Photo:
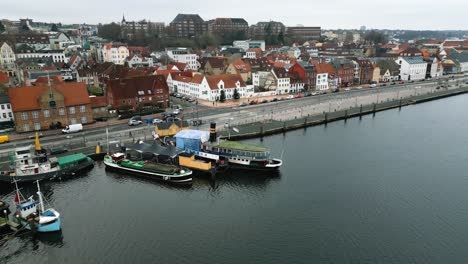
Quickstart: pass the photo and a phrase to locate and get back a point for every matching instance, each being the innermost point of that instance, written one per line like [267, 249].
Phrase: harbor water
[386, 189]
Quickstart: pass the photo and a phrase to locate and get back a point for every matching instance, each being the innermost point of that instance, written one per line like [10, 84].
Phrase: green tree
[236, 94]
[2, 27]
[54, 28]
[208, 39]
[281, 38]
[375, 37]
[110, 31]
[222, 96]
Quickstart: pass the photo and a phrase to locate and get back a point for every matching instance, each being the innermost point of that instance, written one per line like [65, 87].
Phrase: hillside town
[54, 75]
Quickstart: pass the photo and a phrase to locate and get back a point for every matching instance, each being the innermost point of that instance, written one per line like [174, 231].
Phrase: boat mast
[41, 202]
[17, 192]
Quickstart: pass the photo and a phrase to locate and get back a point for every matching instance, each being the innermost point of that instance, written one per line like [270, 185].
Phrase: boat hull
[185, 179]
[30, 178]
[50, 227]
[80, 168]
[273, 165]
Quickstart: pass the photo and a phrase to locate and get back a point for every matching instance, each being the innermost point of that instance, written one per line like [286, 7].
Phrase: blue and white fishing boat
[33, 218]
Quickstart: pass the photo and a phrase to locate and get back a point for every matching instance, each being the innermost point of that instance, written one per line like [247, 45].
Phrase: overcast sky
[329, 14]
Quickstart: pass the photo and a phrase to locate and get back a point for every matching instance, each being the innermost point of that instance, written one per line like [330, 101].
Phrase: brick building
[137, 92]
[188, 26]
[42, 107]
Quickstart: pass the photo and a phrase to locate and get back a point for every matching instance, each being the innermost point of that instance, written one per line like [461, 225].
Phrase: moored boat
[32, 215]
[149, 169]
[237, 155]
[75, 163]
[30, 164]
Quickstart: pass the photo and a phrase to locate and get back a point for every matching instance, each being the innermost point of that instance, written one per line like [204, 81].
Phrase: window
[95, 110]
[61, 111]
[82, 108]
[46, 113]
[84, 120]
[24, 116]
[37, 126]
[71, 109]
[73, 121]
[103, 109]
[35, 114]
[3, 107]
[10, 115]
[4, 115]
[25, 127]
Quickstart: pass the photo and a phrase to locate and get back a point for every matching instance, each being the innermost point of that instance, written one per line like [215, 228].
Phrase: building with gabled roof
[188, 26]
[42, 106]
[209, 87]
[139, 91]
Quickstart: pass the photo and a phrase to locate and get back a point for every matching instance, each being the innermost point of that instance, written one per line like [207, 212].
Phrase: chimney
[212, 132]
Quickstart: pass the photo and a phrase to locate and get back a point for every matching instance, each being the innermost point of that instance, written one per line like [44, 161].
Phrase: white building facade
[115, 53]
[56, 55]
[183, 55]
[247, 44]
[412, 68]
[322, 81]
[6, 114]
[7, 59]
[209, 87]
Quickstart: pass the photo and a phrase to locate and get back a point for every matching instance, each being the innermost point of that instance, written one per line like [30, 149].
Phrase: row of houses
[55, 103]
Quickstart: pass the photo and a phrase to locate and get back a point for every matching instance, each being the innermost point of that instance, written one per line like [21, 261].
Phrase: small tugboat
[33, 218]
[31, 164]
[158, 171]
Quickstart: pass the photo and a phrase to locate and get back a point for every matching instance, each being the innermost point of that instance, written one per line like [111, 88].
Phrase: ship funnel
[212, 132]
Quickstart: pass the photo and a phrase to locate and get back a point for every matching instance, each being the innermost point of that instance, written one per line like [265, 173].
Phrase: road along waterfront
[390, 188]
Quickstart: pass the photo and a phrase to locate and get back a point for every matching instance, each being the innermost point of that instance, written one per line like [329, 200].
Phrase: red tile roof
[98, 101]
[452, 43]
[27, 97]
[128, 88]
[44, 80]
[325, 68]
[4, 78]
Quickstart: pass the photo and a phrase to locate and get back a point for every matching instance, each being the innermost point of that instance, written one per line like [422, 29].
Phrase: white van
[72, 128]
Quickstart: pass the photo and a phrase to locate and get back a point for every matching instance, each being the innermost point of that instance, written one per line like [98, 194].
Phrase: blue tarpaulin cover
[191, 139]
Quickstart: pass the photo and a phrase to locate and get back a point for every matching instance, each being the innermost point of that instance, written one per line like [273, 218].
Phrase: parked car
[264, 101]
[401, 82]
[298, 96]
[307, 94]
[135, 120]
[347, 89]
[383, 84]
[176, 111]
[4, 139]
[253, 102]
[274, 100]
[191, 100]
[157, 121]
[243, 104]
[359, 87]
[290, 97]
[393, 83]
[314, 93]
[373, 85]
